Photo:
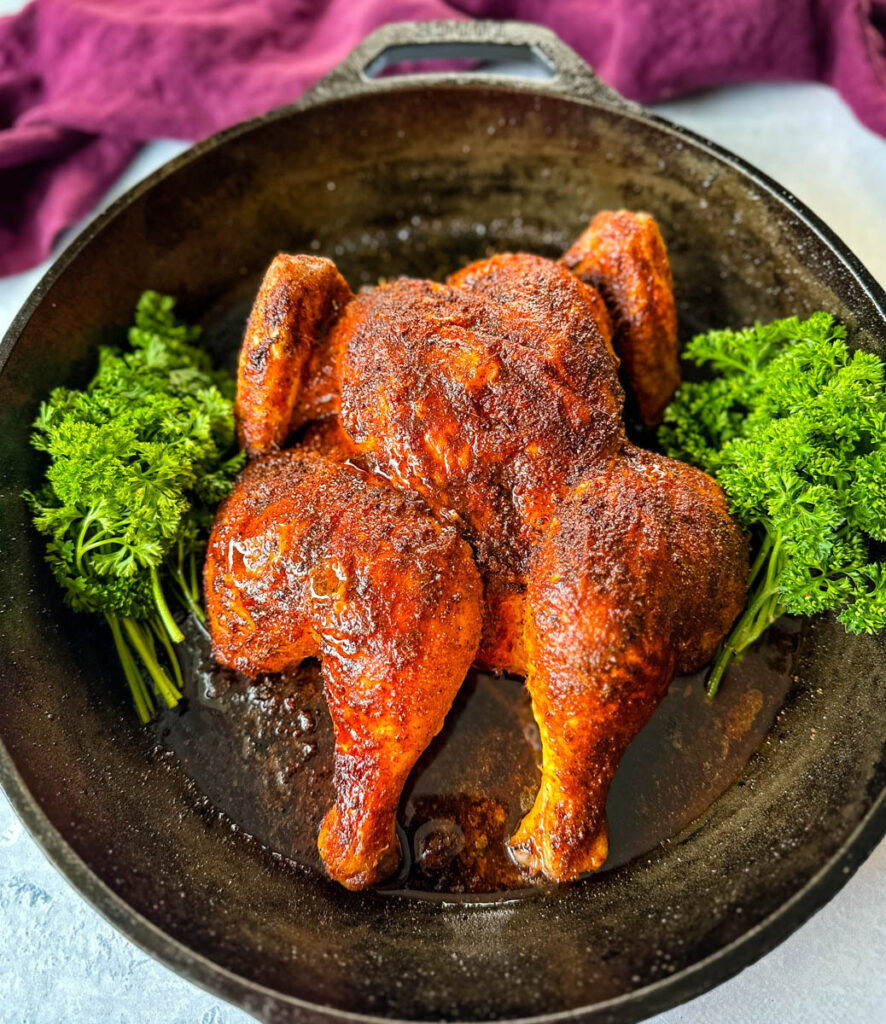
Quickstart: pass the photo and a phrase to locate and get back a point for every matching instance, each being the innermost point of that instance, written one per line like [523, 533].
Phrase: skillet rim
[256, 998]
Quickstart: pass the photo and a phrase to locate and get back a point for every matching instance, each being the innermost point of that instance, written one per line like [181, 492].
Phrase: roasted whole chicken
[459, 489]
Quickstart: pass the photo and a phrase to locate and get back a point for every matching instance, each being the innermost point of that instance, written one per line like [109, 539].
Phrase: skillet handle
[557, 68]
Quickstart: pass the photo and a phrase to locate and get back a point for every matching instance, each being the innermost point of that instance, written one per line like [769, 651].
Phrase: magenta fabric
[83, 83]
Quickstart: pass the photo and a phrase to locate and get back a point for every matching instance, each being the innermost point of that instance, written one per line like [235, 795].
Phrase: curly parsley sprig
[138, 464]
[793, 426]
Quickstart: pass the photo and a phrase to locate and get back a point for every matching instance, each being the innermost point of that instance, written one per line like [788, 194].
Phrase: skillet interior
[384, 189]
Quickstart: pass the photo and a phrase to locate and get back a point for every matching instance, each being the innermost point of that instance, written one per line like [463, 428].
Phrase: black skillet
[732, 822]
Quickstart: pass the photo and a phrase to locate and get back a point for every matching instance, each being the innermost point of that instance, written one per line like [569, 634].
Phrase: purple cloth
[84, 82]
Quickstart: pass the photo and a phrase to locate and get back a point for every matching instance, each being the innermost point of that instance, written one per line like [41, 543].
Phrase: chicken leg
[309, 558]
[640, 574]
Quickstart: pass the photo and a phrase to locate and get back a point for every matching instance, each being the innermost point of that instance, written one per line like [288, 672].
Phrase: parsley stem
[175, 634]
[165, 686]
[762, 609]
[760, 560]
[140, 695]
[724, 655]
[81, 537]
[760, 612]
[188, 599]
[162, 636]
[98, 541]
[149, 643]
[773, 570]
[195, 584]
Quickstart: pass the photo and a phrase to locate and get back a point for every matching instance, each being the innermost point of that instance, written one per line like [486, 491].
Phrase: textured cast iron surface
[261, 753]
[413, 177]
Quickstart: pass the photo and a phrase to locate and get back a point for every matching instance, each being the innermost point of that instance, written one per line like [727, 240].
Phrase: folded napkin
[83, 83]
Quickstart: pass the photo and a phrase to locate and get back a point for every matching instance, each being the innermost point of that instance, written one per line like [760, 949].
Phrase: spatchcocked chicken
[459, 489]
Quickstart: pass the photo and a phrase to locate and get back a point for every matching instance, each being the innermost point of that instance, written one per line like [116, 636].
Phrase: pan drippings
[261, 752]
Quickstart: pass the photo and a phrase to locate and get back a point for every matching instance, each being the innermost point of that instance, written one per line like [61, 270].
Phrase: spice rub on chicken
[464, 491]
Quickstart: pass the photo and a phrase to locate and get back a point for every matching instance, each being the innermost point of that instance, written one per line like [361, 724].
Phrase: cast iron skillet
[419, 175]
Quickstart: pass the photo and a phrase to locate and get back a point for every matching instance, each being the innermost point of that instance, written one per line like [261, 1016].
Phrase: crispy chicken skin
[285, 339]
[511, 280]
[624, 255]
[639, 576]
[492, 404]
[482, 406]
[484, 397]
[310, 558]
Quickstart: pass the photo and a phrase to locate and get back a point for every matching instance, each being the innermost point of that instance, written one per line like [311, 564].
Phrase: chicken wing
[624, 255]
[639, 576]
[286, 337]
[309, 558]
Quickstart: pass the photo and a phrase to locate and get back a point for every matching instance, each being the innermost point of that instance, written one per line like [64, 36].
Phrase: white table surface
[60, 962]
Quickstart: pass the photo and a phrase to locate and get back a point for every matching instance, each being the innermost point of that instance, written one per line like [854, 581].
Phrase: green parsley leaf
[793, 426]
[138, 462]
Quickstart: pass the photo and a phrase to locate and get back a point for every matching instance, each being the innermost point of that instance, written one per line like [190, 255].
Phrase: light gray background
[60, 962]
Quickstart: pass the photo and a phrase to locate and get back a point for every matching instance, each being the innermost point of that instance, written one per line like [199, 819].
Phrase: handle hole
[488, 58]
